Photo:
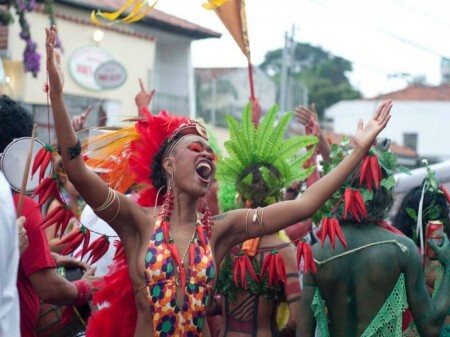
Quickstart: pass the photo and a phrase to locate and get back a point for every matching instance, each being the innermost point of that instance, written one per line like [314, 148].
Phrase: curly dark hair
[406, 224]
[15, 122]
[377, 208]
[258, 191]
[157, 174]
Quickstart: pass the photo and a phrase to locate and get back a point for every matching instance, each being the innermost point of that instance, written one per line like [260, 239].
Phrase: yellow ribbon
[213, 4]
[137, 13]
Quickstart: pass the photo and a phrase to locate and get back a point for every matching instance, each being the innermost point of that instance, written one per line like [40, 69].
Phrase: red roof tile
[419, 93]
[154, 18]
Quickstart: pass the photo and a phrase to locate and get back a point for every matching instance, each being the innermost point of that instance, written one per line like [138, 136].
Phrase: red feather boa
[118, 316]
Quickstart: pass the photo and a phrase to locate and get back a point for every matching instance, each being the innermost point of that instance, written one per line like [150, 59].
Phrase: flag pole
[250, 78]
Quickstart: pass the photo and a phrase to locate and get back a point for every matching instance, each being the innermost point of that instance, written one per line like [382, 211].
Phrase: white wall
[430, 120]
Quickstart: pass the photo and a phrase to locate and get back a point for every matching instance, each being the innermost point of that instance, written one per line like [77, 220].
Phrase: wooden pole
[250, 78]
[26, 172]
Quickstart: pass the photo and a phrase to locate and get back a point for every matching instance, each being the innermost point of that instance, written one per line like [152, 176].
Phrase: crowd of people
[290, 250]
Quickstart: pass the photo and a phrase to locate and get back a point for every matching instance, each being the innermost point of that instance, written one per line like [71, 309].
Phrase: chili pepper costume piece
[169, 319]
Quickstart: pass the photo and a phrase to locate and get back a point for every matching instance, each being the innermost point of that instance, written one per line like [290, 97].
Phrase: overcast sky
[380, 37]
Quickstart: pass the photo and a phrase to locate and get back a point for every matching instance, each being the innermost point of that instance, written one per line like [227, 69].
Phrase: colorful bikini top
[164, 273]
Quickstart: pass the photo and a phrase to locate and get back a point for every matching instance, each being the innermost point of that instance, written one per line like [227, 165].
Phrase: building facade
[420, 119]
[103, 65]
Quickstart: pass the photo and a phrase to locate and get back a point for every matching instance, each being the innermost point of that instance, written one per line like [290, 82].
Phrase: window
[410, 140]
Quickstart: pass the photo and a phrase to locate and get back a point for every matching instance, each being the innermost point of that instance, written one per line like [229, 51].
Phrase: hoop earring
[156, 199]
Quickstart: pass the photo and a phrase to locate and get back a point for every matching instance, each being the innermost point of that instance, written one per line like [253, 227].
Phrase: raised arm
[93, 190]
[309, 118]
[79, 120]
[429, 315]
[271, 219]
[143, 98]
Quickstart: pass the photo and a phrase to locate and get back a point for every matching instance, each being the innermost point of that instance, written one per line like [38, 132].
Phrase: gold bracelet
[246, 223]
[108, 202]
[260, 221]
[118, 208]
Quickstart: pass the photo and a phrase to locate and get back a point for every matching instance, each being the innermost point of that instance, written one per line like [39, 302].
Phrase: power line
[411, 43]
[390, 34]
[429, 16]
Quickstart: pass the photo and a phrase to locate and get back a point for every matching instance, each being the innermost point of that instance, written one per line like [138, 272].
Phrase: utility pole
[286, 69]
[213, 100]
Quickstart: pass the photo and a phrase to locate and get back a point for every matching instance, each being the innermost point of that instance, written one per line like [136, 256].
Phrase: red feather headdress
[123, 158]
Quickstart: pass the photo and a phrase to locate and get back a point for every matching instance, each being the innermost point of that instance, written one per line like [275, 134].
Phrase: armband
[74, 151]
[83, 292]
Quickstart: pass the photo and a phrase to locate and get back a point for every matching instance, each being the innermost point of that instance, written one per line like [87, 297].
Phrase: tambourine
[13, 161]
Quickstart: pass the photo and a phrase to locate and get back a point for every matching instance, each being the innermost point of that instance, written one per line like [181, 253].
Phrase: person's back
[256, 314]
[364, 288]
[356, 285]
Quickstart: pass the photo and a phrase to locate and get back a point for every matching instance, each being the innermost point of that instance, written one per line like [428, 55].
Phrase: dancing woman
[172, 288]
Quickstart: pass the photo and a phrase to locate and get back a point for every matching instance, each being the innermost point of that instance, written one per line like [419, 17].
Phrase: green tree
[324, 74]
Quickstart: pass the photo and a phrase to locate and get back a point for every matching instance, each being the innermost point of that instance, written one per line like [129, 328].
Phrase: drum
[13, 161]
[50, 316]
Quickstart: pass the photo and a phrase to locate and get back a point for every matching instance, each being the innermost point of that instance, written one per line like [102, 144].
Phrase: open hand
[143, 98]
[79, 120]
[90, 278]
[309, 118]
[442, 252]
[365, 135]
[55, 73]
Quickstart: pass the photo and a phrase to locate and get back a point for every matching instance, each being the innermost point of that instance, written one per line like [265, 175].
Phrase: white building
[420, 119]
[222, 91]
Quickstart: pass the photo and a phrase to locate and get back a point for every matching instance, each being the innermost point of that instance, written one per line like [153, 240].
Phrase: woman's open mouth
[204, 171]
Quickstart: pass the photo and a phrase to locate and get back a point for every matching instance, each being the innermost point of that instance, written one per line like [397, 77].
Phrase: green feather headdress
[263, 151]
